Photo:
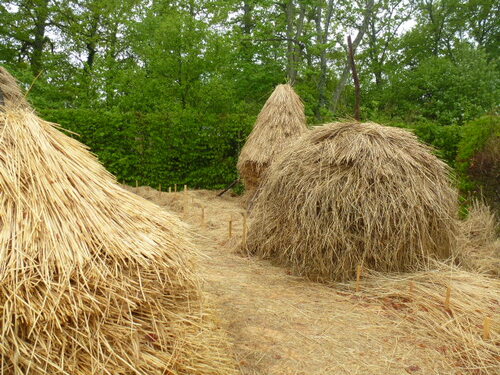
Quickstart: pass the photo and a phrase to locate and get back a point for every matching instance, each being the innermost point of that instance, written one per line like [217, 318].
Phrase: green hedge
[161, 148]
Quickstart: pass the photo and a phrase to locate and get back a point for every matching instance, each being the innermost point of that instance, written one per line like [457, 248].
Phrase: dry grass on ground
[282, 324]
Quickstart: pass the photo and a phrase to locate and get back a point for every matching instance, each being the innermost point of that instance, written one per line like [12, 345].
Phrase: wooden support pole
[487, 328]
[359, 270]
[230, 227]
[175, 187]
[447, 299]
[186, 199]
[203, 216]
[245, 231]
[170, 189]
[136, 183]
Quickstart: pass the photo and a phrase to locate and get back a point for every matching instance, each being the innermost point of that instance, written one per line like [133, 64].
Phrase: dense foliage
[165, 91]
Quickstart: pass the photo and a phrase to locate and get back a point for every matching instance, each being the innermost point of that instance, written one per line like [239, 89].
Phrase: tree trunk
[357, 105]
[41, 14]
[322, 38]
[92, 43]
[355, 43]
[291, 68]
[247, 31]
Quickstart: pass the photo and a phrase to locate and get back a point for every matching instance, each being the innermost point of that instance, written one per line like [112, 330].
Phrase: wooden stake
[358, 276]
[245, 230]
[175, 188]
[486, 328]
[230, 227]
[203, 216]
[447, 299]
[159, 188]
[170, 189]
[185, 188]
[136, 183]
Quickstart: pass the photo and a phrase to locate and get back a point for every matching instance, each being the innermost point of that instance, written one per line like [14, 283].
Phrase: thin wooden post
[487, 328]
[170, 189]
[230, 227]
[359, 270]
[447, 299]
[245, 230]
[203, 216]
[159, 187]
[136, 183]
[185, 199]
[175, 188]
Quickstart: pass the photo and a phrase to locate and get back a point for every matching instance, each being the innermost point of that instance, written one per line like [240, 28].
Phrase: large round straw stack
[280, 122]
[93, 280]
[350, 194]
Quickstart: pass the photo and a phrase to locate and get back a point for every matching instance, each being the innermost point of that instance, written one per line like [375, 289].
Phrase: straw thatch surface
[350, 194]
[10, 93]
[93, 280]
[454, 324]
[281, 121]
[479, 246]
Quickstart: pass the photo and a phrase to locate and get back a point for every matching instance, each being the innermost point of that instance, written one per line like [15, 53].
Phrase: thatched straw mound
[281, 121]
[479, 245]
[445, 308]
[93, 279]
[10, 94]
[348, 194]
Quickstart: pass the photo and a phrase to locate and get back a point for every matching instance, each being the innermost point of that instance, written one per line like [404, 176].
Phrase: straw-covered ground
[282, 324]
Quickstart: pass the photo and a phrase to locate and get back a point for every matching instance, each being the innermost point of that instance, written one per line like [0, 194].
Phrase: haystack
[478, 249]
[93, 279]
[351, 194]
[281, 121]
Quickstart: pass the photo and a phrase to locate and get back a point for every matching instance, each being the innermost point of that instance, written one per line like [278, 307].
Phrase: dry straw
[458, 330]
[93, 279]
[479, 245]
[281, 121]
[347, 194]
